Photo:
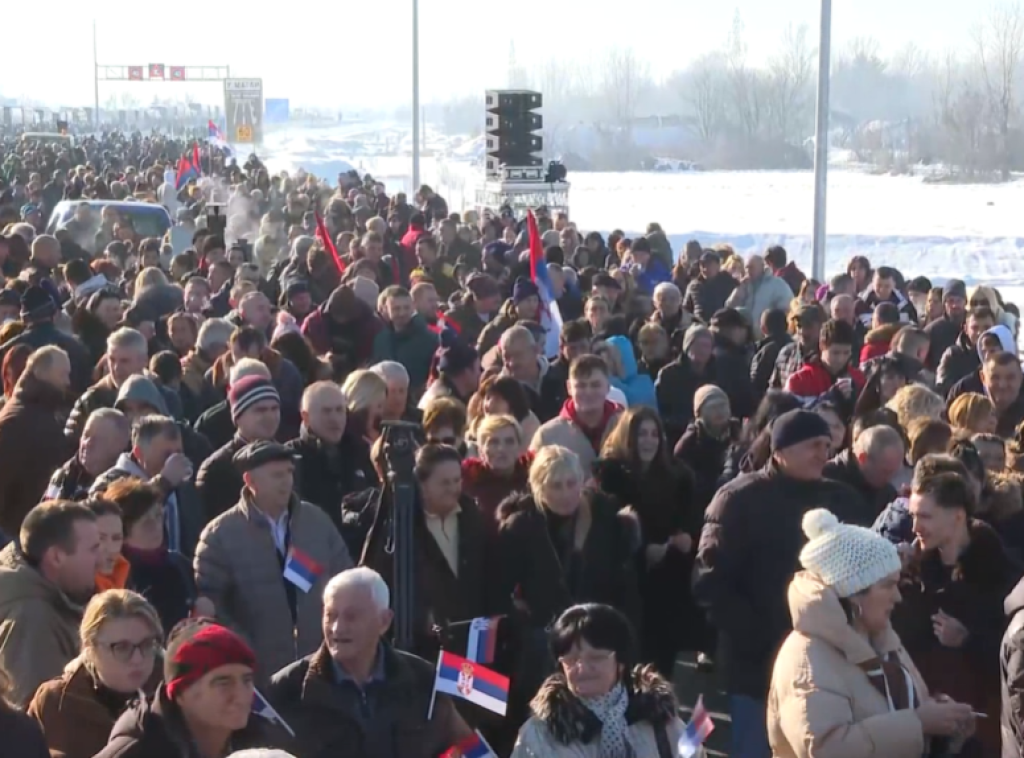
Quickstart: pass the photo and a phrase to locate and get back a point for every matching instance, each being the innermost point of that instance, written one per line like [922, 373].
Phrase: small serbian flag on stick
[697, 731]
[459, 677]
[483, 638]
[474, 746]
[262, 708]
[301, 570]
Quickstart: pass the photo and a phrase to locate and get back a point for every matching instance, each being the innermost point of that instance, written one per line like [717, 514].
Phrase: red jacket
[813, 380]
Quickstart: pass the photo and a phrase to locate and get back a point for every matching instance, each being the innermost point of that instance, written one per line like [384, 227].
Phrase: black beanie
[794, 427]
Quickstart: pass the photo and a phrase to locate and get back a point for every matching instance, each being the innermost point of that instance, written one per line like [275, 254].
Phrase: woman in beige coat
[843, 686]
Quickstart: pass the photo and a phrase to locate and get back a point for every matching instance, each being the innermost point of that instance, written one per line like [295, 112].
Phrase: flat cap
[257, 454]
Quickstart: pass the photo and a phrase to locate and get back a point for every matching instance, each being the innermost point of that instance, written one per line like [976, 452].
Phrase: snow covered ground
[974, 232]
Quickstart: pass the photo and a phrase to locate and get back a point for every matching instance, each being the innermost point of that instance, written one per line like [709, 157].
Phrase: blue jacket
[649, 278]
[638, 388]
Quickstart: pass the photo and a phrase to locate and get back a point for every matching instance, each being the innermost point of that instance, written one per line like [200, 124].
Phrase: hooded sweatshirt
[1005, 339]
[141, 389]
[638, 388]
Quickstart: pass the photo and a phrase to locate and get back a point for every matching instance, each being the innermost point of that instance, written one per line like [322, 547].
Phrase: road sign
[243, 109]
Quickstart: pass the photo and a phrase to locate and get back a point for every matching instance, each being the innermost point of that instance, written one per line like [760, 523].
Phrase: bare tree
[789, 86]
[745, 83]
[999, 43]
[625, 76]
[703, 88]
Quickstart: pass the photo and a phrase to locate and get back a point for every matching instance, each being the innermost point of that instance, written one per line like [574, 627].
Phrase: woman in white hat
[842, 684]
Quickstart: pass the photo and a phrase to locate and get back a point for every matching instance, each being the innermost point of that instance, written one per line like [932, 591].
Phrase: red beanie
[197, 648]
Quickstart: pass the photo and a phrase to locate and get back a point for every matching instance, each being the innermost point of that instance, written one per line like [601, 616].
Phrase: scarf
[610, 709]
[892, 680]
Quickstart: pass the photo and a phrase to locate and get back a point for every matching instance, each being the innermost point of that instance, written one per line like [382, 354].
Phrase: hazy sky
[353, 54]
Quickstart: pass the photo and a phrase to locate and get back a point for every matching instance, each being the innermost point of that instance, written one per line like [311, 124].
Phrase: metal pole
[821, 141]
[415, 95]
[95, 77]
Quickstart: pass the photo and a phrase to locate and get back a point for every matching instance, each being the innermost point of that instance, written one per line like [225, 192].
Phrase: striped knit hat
[249, 391]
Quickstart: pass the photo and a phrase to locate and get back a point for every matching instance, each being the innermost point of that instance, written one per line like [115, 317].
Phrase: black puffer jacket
[705, 296]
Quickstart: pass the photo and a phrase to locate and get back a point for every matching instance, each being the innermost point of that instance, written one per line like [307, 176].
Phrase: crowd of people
[815, 486]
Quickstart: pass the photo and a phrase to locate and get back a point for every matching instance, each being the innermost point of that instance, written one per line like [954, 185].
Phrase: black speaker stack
[513, 145]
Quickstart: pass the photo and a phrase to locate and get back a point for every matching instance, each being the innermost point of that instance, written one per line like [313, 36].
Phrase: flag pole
[433, 692]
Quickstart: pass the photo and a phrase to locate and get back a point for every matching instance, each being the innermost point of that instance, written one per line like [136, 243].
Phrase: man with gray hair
[358, 678]
[874, 460]
[127, 355]
[156, 457]
[759, 291]
[107, 435]
[522, 360]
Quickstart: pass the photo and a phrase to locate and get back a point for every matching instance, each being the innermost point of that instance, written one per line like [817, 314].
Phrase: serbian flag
[462, 678]
[697, 731]
[301, 570]
[483, 638]
[474, 746]
[325, 239]
[262, 708]
[186, 172]
[550, 317]
[215, 137]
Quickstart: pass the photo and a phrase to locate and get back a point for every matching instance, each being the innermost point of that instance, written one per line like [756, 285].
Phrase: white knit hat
[847, 558]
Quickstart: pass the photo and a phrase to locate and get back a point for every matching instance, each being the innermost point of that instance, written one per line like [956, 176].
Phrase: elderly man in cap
[38, 310]
[265, 562]
[748, 553]
[205, 700]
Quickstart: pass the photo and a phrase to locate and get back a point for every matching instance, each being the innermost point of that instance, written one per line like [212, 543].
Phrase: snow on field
[974, 232]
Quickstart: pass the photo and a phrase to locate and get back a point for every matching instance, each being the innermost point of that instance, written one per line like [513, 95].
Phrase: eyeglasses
[124, 651]
[586, 660]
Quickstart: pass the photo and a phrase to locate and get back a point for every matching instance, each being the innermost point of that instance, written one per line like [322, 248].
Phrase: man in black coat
[327, 463]
[256, 413]
[749, 550]
[709, 291]
[944, 330]
[876, 457]
[961, 359]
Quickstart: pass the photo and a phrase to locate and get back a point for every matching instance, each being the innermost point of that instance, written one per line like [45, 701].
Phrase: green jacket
[413, 347]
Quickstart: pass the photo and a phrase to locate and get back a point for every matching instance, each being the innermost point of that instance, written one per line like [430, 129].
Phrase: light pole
[95, 78]
[415, 95]
[821, 141]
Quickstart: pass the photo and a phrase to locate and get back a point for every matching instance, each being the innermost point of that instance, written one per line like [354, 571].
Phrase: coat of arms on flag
[462, 678]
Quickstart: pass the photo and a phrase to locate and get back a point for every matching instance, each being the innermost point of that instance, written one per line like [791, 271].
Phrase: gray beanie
[695, 332]
[709, 394]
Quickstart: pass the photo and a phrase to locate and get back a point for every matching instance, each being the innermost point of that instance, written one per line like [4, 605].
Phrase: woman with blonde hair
[121, 639]
[501, 468]
[735, 266]
[973, 413]
[367, 394]
[154, 296]
[916, 401]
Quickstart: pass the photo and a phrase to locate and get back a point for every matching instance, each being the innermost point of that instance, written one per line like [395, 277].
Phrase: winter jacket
[766, 353]
[351, 341]
[732, 368]
[792, 276]
[286, 378]
[972, 591]
[705, 296]
[38, 626]
[413, 347]
[958, 362]
[791, 359]
[814, 382]
[387, 719]
[218, 481]
[1011, 669]
[563, 727]
[566, 431]
[165, 579]
[822, 702]
[105, 394]
[638, 388]
[489, 489]
[43, 334]
[32, 446]
[70, 482]
[239, 568]
[649, 278]
[74, 716]
[845, 468]
[748, 553]
[753, 298]
[22, 736]
[944, 332]
[908, 313]
[155, 728]
[877, 342]
[325, 474]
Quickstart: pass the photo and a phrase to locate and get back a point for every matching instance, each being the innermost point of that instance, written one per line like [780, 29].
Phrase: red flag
[195, 159]
[325, 239]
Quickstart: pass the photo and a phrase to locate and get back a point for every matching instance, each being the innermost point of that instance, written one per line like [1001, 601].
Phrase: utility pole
[821, 141]
[416, 95]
